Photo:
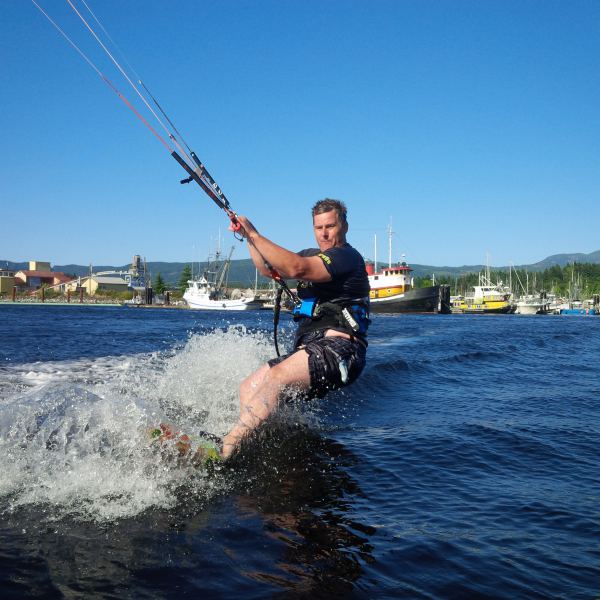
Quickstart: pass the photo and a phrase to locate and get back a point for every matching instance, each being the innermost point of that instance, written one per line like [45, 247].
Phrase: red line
[142, 119]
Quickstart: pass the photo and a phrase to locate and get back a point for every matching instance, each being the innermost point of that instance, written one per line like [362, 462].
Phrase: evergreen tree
[186, 275]
[159, 284]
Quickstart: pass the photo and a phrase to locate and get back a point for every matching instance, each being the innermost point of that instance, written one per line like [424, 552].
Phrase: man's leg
[259, 395]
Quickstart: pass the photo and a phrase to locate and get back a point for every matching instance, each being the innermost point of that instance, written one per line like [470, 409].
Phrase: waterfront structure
[39, 265]
[32, 279]
[97, 283]
[7, 281]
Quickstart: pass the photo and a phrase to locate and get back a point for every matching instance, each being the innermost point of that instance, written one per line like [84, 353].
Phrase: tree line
[160, 286]
[574, 279]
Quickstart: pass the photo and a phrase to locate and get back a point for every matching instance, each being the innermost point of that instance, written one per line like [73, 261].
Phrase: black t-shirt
[349, 279]
[349, 284]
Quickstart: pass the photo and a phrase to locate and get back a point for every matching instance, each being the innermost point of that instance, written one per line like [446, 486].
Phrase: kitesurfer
[332, 315]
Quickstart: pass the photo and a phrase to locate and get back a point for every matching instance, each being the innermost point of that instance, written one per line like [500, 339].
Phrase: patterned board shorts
[333, 362]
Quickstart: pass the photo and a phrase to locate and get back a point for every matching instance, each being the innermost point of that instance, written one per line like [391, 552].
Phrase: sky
[472, 127]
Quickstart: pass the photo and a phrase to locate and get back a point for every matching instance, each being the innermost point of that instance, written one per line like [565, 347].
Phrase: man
[330, 345]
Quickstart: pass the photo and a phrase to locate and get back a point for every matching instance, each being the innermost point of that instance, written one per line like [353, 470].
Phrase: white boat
[207, 292]
[536, 303]
[532, 305]
[202, 295]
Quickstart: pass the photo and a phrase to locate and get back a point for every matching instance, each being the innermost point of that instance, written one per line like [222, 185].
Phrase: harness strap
[351, 315]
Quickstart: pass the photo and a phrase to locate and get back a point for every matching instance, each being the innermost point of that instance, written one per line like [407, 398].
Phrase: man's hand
[248, 230]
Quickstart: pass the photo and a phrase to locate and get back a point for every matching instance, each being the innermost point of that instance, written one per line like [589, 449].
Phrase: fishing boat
[392, 288]
[208, 291]
[392, 291]
[486, 297]
[202, 295]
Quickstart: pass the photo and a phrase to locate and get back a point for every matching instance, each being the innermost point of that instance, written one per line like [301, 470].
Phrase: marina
[392, 292]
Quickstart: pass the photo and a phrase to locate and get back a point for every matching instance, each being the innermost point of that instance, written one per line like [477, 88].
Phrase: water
[463, 464]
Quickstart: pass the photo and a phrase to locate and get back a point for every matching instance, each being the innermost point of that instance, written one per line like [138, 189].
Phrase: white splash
[73, 434]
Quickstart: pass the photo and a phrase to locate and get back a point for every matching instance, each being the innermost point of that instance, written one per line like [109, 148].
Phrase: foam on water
[73, 434]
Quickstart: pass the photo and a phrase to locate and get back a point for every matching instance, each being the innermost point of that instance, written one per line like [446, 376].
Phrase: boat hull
[224, 304]
[417, 300]
[531, 309]
[484, 310]
[578, 311]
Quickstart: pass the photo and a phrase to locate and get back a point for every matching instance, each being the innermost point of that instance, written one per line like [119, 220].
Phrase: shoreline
[88, 304]
[50, 303]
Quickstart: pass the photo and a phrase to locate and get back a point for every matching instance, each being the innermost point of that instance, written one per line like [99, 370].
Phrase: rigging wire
[120, 68]
[192, 157]
[197, 161]
[198, 174]
[137, 76]
[115, 45]
[164, 114]
[103, 77]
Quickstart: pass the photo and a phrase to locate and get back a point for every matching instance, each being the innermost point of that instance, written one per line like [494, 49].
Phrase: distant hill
[242, 272]
[564, 259]
[556, 259]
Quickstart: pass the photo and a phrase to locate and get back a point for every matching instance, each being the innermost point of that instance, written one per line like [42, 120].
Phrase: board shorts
[333, 362]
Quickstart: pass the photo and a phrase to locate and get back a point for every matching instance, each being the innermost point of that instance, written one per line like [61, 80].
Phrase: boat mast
[375, 243]
[390, 232]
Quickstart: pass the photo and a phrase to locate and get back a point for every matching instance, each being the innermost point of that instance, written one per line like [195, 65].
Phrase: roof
[44, 274]
[56, 277]
[111, 280]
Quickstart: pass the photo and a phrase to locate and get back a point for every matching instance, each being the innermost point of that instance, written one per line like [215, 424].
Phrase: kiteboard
[197, 450]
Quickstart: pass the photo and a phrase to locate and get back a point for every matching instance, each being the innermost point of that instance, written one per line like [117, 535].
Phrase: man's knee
[253, 382]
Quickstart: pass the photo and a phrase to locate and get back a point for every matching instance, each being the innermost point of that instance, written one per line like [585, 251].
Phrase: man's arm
[258, 260]
[287, 263]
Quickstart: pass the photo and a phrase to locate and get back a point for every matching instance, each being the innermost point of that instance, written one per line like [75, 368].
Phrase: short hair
[328, 204]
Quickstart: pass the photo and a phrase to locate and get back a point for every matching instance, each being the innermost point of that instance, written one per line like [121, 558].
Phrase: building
[7, 281]
[97, 283]
[38, 265]
[30, 280]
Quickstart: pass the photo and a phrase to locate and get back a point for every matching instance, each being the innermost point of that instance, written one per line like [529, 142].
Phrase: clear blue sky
[474, 125]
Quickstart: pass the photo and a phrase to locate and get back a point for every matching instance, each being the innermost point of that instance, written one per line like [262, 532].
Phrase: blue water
[463, 464]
